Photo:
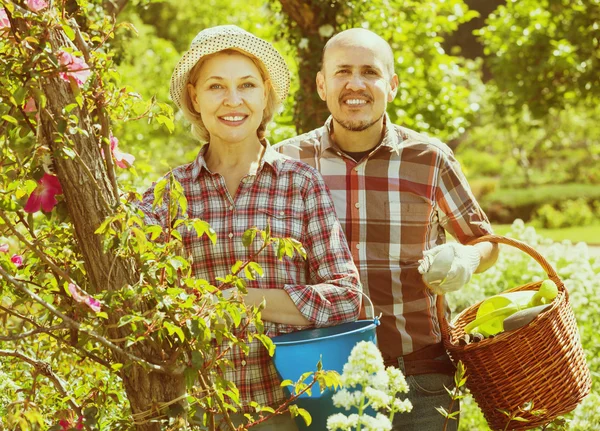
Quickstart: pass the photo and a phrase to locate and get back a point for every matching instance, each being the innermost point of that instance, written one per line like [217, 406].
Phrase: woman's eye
[215, 87]
[248, 85]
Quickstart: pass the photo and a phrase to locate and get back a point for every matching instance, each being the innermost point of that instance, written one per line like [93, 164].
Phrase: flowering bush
[366, 383]
[103, 326]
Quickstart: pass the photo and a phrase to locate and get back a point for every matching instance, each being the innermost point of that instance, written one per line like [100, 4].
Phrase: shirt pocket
[284, 222]
[409, 223]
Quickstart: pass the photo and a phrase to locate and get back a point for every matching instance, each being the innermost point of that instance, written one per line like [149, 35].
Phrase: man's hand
[448, 267]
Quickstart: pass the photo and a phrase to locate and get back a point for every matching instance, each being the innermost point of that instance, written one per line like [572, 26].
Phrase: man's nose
[355, 82]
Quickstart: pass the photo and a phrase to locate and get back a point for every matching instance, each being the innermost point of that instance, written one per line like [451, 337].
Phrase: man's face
[356, 85]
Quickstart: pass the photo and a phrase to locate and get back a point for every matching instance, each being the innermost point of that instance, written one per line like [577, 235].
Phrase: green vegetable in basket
[493, 311]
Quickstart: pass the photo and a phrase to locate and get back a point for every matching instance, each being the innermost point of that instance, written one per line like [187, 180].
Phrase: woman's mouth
[233, 120]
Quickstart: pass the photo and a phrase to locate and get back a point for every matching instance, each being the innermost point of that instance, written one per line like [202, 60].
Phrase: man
[396, 193]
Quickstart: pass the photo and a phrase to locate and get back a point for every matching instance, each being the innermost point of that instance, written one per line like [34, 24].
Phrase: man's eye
[343, 71]
[371, 72]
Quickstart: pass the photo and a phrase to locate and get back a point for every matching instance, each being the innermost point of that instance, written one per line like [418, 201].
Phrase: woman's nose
[233, 98]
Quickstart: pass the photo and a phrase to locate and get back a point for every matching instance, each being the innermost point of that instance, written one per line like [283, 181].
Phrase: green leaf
[68, 31]
[203, 228]
[69, 152]
[442, 411]
[280, 248]
[256, 268]
[305, 415]
[248, 237]
[154, 231]
[10, 119]
[236, 267]
[102, 228]
[520, 419]
[159, 192]
[173, 329]
[166, 121]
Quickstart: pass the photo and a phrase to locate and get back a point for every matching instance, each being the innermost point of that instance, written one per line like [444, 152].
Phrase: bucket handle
[374, 318]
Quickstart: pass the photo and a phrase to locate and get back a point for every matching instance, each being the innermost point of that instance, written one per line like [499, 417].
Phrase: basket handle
[552, 275]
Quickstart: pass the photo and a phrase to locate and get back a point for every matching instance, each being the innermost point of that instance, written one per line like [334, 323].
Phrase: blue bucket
[298, 352]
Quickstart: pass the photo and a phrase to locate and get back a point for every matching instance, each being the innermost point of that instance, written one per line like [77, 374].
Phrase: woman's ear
[193, 97]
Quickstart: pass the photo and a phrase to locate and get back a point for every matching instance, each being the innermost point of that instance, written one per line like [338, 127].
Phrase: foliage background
[521, 117]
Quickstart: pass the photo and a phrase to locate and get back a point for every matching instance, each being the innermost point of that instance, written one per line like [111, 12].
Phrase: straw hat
[219, 38]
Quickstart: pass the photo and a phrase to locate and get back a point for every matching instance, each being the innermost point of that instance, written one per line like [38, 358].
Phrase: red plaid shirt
[398, 201]
[294, 199]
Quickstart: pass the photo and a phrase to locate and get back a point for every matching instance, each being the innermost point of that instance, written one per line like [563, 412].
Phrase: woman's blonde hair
[199, 131]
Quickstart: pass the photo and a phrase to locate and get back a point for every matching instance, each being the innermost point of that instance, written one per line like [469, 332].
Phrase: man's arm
[489, 254]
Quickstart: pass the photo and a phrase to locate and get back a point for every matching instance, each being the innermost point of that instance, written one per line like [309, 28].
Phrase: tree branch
[75, 325]
[45, 369]
[38, 330]
[79, 351]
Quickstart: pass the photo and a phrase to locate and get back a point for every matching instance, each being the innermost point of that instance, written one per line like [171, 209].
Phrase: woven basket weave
[541, 362]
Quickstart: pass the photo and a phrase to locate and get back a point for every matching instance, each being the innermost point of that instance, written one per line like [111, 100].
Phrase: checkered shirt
[293, 198]
[398, 201]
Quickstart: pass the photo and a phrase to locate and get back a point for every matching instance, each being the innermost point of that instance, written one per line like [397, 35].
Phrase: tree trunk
[315, 23]
[87, 191]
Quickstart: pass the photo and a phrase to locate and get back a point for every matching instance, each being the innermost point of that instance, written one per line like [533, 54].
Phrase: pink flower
[3, 248]
[17, 259]
[4, 21]
[80, 297]
[77, 68]
[30, 105]
[93, 303]
[44, 196]
[123, 160]
[36, 5]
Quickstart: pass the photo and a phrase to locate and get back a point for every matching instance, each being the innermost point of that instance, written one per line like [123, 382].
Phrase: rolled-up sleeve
[333, 295]
[462, 215]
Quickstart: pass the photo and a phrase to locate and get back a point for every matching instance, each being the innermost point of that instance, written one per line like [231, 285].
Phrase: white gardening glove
[448, 267]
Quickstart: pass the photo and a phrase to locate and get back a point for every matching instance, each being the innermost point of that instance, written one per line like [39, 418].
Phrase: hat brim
[272, 60]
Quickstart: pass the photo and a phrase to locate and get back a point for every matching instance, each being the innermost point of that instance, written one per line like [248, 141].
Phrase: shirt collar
[270, 157]
[390, 137]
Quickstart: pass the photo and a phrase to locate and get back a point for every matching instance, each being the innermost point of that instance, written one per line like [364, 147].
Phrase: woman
[228, 85]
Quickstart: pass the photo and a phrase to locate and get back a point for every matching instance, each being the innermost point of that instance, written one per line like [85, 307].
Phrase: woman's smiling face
[230, 95]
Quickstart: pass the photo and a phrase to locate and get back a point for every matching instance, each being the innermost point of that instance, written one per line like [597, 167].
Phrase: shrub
[569, 213]
[506, 205]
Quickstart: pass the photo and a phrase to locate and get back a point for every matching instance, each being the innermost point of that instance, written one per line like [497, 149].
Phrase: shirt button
[357, 205]
[356, 169]
[358, 245]
[230, 235]
[243, 363]
[281, 213]
[231, 207]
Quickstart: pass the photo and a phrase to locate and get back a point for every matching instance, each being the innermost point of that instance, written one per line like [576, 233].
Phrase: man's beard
[357, 126]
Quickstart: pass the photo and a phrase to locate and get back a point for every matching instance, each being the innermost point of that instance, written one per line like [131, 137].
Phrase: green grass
[588, 234]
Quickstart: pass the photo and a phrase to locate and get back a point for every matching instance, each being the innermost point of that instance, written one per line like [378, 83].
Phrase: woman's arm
[279, 306]
[332, 294]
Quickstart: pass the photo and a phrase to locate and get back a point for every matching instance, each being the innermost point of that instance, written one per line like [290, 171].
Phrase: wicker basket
[541, 362]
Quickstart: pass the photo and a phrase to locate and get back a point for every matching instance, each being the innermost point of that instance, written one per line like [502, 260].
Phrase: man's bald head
[362, 38]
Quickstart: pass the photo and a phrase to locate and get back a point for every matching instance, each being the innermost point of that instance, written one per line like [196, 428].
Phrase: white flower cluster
[367, 383]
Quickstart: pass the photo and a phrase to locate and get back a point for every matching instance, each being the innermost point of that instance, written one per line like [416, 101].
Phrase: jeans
[426, 392]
